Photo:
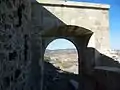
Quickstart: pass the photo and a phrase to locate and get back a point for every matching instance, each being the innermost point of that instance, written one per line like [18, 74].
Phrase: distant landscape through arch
[62, 54]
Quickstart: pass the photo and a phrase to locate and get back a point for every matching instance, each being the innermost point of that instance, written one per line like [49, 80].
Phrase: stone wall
[14, 49]
[94, 17]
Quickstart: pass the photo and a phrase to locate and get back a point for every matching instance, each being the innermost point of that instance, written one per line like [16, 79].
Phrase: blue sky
[114, 18]
[60, 44]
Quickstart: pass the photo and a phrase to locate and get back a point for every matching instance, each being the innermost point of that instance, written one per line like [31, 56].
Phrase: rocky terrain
[115, 54]
[65, 59]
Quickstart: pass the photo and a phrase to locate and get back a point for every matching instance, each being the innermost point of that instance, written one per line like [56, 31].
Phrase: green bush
[48, 59]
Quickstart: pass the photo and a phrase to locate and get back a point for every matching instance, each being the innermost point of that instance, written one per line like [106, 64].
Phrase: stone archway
[60, 65]
[79, 36]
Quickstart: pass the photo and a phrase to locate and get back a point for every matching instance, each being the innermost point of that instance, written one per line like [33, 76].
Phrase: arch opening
[63, 55]
[55, 75]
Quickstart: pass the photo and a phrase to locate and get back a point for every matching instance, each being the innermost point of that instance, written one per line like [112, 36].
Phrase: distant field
[65, 59]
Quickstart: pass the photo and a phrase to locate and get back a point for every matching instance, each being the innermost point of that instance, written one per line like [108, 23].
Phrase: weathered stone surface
[95, 19]
[14, 17]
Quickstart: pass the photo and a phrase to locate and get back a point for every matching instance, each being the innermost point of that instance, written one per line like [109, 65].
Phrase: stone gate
[84, 24]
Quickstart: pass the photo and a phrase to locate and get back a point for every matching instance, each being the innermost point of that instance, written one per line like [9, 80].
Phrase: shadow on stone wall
[56, 79]
[94, 58]
[104, 69]
[104, 75]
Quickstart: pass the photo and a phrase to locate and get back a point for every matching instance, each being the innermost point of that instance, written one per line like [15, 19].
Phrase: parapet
[74, 4]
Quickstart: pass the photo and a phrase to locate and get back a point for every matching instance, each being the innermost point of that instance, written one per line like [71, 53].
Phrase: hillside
[65, 59]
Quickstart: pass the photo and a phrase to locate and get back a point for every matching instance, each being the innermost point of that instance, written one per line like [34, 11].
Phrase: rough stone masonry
[15, 16]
